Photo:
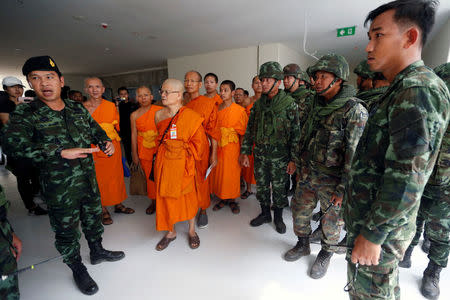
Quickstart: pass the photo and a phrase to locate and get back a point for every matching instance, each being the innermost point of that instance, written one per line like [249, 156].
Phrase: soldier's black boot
[83, 280]
[430, 281]
[264, 217]
[278, 220]
[320, 266]
[98, 254]
[406, 262]
[300, 249]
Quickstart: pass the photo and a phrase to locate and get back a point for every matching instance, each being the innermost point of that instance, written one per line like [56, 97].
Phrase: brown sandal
[235, 209]
[194, 241]
[121, 209]
[106, 218]
[164, 242]
[151, 209]
[221, 204]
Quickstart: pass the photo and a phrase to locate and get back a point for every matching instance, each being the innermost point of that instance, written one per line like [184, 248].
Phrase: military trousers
[316, 187]
[9, 287]
[270, 170]
[374, 282]
[78, 201]
[435, 212]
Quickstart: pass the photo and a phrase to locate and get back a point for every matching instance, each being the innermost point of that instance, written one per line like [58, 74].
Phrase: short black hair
[212, 75]
[239, 88]
[230, 84]
[122, 88]
[419, 12]
[30, 93]
[246, 93]
[73, 92]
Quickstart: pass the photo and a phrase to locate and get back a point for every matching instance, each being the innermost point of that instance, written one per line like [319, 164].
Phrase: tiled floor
[234, 261]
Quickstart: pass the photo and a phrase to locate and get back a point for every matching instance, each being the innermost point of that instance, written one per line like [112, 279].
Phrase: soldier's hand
[74, 153]
[17, 246]
[291, 168]
[365, 252]
[109, 148]
[244, 161]
[336, 200]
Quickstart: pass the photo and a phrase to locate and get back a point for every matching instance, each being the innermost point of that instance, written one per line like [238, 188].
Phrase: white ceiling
[144, 33]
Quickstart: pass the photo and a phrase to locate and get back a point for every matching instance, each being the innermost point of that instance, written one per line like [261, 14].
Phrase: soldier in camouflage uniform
[296, 83]
[57, 135]
[434, 210]
[274, 129]
[10, 250]
[371, 85]
[327, 145]
[397, 152]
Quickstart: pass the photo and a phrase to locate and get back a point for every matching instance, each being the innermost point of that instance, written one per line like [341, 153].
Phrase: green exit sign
[346, 31]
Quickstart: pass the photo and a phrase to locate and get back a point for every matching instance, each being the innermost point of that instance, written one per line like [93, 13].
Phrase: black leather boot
[406, 262]
[264, 217]
[98, 254]
[83, 280]
[300, 249]
[320, 266]
[430, 281]
[278, 220]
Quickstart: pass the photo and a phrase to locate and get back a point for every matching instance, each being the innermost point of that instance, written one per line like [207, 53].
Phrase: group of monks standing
[196, 143]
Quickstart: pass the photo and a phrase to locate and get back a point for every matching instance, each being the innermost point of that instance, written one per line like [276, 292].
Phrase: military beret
[40, 63]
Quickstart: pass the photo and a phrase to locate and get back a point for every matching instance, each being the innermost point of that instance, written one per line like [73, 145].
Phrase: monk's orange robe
[177, 190]
[231, 123]
[217, 99]
[248, 172]
[146, 143]
[109, 170]
[207, 108]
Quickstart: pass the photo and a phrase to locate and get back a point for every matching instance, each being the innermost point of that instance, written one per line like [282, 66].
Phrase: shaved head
[175, 84]
[87, 80]
[199, 76]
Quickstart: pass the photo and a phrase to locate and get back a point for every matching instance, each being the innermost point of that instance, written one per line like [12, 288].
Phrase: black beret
[40, 63]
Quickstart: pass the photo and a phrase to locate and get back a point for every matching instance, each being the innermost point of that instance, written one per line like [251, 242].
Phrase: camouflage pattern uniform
[403, 133]
[9, 287]
[369, 96]
[274, 128]
[69, 187]
[435, 203]
[327, 145]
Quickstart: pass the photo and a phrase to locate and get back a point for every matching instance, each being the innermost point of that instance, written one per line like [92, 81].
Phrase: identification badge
[173, 132]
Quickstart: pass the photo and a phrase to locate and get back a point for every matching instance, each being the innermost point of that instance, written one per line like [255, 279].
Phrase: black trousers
[27, 179]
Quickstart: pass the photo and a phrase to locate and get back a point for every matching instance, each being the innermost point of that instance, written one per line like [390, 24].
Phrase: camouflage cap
[333, 63]
[305, 77]
[292, 70]
[363, 70]
[271, 69]
[443, 71]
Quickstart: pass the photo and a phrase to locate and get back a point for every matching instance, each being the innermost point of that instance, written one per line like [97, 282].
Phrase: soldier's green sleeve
[249, 138]
[356, 121]
[17, 139]
[413, 133]
[295, 130]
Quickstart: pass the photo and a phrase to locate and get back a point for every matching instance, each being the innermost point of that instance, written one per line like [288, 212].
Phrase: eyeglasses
[191, 81]
[162, 92]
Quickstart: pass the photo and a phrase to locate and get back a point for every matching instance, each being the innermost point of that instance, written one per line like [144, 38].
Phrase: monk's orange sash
[227, 135]
[110, 130]
[149, 138]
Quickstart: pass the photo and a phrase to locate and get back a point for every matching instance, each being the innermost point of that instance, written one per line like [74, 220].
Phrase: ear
[61, 79]
[412, 37]
[232, 94]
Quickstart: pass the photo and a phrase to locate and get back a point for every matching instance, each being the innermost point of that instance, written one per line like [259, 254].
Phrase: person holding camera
[56, 135]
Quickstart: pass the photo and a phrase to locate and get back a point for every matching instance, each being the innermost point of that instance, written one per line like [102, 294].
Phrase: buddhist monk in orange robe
[248, 173]
[211, 82]
[207, 108]
[109, 169]
[183, 142]
[231, 124]
[143, 139]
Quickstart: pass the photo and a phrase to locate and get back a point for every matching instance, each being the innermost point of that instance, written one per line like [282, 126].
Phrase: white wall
[438, 50]
[239, 65]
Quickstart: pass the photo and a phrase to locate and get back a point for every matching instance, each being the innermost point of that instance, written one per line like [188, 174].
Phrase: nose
[369, 47]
